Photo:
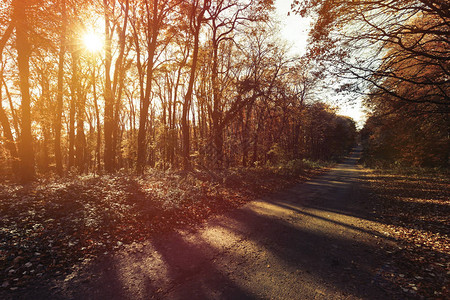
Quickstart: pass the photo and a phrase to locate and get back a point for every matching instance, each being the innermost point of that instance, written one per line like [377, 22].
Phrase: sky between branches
[295, 30]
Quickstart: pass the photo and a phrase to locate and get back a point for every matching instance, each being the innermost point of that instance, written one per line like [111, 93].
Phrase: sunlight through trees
[396, 54]
[99, 86]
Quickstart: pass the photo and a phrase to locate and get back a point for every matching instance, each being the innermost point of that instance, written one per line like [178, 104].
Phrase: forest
[102, 86]
[397, 57]
[147, 144]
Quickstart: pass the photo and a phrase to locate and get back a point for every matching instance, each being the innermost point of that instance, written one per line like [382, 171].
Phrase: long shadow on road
[309, 242]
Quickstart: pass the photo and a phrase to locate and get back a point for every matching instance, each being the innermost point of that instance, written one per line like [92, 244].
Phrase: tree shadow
[337, 263]
[357, 203]
[284, 247]
[170, 267]
[354, 266]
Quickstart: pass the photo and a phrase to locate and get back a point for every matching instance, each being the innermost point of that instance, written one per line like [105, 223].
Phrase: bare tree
[370, 42]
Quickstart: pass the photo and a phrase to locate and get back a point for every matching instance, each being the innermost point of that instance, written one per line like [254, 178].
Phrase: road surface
[309, 242]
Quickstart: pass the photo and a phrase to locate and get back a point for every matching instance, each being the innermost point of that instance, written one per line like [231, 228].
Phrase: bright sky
[355, 111]
[295, 31]
[92, 41]
[294, 28]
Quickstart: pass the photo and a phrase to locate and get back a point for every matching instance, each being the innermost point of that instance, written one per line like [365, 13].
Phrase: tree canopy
[395, 54]
[99, 86]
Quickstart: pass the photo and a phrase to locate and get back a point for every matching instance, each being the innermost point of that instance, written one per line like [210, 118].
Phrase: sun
[92, 41]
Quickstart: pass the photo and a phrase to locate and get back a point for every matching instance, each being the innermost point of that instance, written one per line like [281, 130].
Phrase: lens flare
[92, 42]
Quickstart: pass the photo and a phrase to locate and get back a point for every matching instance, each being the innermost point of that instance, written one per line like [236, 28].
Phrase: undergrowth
[51, 224]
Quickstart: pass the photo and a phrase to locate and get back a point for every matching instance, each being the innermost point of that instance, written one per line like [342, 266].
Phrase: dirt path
[309, 242]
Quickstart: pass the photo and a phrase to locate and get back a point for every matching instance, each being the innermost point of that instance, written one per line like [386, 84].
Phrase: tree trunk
[143, 114]
[154, 27]
[59, 98]
[216, 113]
[188, 97]
[9, 140]
[72, 111]
[99, 126]
[245, 134]
[45, 152]
[80, 141]
[23, 54]
[109, 109]
[117, 87]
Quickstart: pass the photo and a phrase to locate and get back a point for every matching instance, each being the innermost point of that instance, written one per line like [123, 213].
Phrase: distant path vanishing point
[309, 242]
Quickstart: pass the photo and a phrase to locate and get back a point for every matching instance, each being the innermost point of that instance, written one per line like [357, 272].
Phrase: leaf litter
[49, 226]
[414, 209]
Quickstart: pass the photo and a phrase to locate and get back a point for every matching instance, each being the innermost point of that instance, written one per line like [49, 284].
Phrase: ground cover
[413, 208]
[50, 225]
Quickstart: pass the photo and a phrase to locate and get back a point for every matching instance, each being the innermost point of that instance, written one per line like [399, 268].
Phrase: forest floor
[414, 209]
[50, 226]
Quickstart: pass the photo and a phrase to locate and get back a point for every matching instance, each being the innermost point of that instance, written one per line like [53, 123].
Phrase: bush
[298, 167]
